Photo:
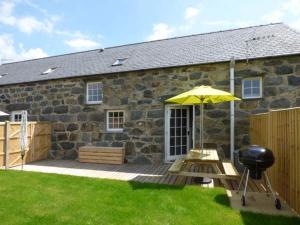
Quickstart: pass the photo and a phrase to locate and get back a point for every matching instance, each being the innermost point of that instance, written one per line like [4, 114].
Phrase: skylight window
[3, 75]
[50, 70]
[119, 62]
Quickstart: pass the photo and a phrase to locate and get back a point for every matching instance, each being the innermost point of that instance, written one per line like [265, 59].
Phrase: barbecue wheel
[243, 200]
[277, 203]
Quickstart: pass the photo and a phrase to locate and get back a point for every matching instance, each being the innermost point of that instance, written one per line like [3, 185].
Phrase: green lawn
[36, 198]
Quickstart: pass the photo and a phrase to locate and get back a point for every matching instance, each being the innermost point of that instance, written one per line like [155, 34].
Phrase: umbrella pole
[200, 130]
[194, 127]
[202, 127]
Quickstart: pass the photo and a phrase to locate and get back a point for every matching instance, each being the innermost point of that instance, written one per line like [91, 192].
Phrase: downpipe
[231, 71]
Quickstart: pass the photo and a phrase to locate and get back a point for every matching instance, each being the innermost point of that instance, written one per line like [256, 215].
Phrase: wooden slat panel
[103, 151]
[210, 175]
[100, 161]
[39, 142]
[102, 158]
[279, 130]
[229, 169]
[176, 166]
[100, 153]
[106, 155]
[95, 148]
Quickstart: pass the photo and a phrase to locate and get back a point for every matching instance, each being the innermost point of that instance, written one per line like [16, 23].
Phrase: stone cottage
[115, 96]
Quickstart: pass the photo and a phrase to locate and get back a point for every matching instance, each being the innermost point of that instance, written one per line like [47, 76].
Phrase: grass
[36, 198]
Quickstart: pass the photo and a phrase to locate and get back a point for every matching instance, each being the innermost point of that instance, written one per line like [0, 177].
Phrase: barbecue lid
[257, 154]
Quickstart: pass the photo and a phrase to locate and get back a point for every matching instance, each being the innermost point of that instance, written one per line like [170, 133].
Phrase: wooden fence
[39, 142]
[279, 130]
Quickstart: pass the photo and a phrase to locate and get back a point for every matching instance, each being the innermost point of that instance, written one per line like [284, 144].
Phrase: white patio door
[177, 131]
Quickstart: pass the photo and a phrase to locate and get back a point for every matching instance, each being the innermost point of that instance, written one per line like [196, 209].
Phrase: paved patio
[259, 202]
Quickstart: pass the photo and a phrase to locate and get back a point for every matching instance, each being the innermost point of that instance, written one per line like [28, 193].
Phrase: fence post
[32, 141]
[7, 138]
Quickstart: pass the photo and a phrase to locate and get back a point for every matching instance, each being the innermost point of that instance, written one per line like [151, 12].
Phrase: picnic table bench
[209, 157]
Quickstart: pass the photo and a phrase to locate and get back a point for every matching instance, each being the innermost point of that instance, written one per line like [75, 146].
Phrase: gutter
[231, 72]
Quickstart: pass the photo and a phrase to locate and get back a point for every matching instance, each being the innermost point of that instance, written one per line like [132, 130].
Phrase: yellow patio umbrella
[202, 95]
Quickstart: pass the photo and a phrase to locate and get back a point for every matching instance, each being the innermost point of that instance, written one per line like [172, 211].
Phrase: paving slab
[259, 203]
[74, 168]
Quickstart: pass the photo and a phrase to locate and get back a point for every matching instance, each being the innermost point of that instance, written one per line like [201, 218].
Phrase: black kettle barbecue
[256, 160]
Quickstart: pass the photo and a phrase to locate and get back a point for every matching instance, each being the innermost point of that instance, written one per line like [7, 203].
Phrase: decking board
[128, 172]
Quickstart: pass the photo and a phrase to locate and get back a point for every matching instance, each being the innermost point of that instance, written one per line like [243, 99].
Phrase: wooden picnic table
[181, 167]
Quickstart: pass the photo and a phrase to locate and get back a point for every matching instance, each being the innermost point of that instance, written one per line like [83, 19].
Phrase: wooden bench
[229, 169]
[105, 155]
[176, 166]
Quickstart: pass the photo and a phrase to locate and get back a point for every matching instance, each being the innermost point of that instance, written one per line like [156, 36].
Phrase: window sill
[113, 132]
[93, 103]
[256, 98]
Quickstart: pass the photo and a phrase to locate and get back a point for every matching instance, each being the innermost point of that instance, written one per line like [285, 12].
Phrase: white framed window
[115, 120]
[94, 93]
[252, 88]
[16, 116]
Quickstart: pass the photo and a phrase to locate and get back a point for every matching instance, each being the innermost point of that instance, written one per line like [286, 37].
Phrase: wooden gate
[38, 139]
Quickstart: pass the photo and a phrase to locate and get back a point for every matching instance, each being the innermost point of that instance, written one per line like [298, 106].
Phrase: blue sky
[39, 28]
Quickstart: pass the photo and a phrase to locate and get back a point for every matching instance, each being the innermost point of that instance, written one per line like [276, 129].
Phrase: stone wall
[141, 95]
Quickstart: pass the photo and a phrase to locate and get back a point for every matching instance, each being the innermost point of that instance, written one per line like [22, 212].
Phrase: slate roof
[251, 42]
